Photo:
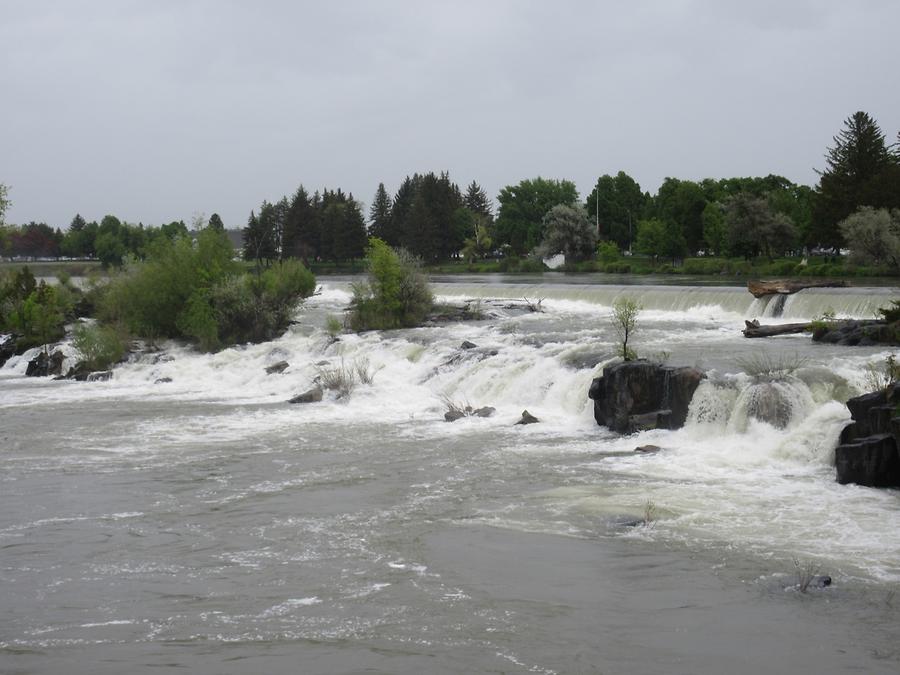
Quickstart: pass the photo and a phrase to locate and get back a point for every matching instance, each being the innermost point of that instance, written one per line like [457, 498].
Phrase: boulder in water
[45, 364]
[484, 411]
[527, 418]
[314, 395]
[7, 348]
[869, 450]
[100, 376]
[467, 345]
[162, 380]
[277, 368]
[767, 402]
[636, 395]
[647, 449]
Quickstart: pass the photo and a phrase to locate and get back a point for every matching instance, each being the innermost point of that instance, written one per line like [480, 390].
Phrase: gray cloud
[154, 111]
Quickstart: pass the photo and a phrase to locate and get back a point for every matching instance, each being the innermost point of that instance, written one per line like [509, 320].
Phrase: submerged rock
[277, 368]
[647, 449]
[314, 395]
[468, 411]
[527, 418]
[637, 395]
[162, 380]
[100, 376]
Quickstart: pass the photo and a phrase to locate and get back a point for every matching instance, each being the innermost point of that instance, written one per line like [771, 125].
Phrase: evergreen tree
[380, 214]
[477, 201]
[215, 222]
[258, 240]
[350, 242]
[400, 209]
[860, 170]
[301, 234]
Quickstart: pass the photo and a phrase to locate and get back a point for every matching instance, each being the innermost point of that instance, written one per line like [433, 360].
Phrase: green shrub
[608, 252]
[99, 346]
[196, 291]
[396, 294]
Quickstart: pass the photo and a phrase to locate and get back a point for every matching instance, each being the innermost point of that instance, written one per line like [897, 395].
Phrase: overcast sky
[155, 111]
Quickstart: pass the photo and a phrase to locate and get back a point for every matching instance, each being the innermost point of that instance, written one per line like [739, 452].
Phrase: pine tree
[477, 201]
[259, 244]
[860, 170]
[403, 201]
[301, 236]
[380, 214]
[215, 223]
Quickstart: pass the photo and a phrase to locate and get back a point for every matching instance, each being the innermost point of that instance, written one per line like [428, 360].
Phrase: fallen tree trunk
[755, 330]
[760, 288]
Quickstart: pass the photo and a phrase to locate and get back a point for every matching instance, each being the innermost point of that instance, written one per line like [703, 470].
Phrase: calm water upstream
[206, 525]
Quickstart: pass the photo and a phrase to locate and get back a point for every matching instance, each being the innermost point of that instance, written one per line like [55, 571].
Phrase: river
[205, 524]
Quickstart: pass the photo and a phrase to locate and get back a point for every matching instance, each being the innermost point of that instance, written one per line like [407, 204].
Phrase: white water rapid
[201, 453]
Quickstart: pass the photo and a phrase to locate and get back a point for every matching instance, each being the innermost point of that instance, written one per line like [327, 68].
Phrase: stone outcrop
[862, 333]
[277, 368]
[45, 364]
[527, 418]
[868, 451]
[637, 395]
[314, 395]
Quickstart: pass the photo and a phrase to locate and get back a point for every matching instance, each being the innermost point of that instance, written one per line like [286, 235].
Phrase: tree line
[430, 216]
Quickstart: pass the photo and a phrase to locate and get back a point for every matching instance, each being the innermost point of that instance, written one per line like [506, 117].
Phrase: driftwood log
[762, 288]
[755, 330]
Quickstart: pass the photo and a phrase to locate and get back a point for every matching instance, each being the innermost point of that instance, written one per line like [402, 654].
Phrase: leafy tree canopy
[520, 221]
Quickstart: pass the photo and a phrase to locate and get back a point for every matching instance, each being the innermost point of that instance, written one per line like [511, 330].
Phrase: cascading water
[189, 481]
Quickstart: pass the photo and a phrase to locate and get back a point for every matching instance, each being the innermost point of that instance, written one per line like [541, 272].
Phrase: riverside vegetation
[183, 288]
[729, 226]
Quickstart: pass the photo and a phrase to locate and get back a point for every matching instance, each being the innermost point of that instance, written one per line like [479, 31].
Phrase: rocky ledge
[868, 450]
[637, 395]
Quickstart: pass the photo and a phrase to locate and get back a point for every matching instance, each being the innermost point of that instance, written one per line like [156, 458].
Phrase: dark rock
[863, 333]
[869, 450]
[871, 461]
[471, 354]
[453, 415]
[859, 410]
[279, 367]
[45, 364]
[647, 449]
[880, 419]
[527, 418]
[467, 345]
[640, 394]
[100, 376]
[162, 380]
[7, 349]
[314, 395]
[456, 413]
[821, 581]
